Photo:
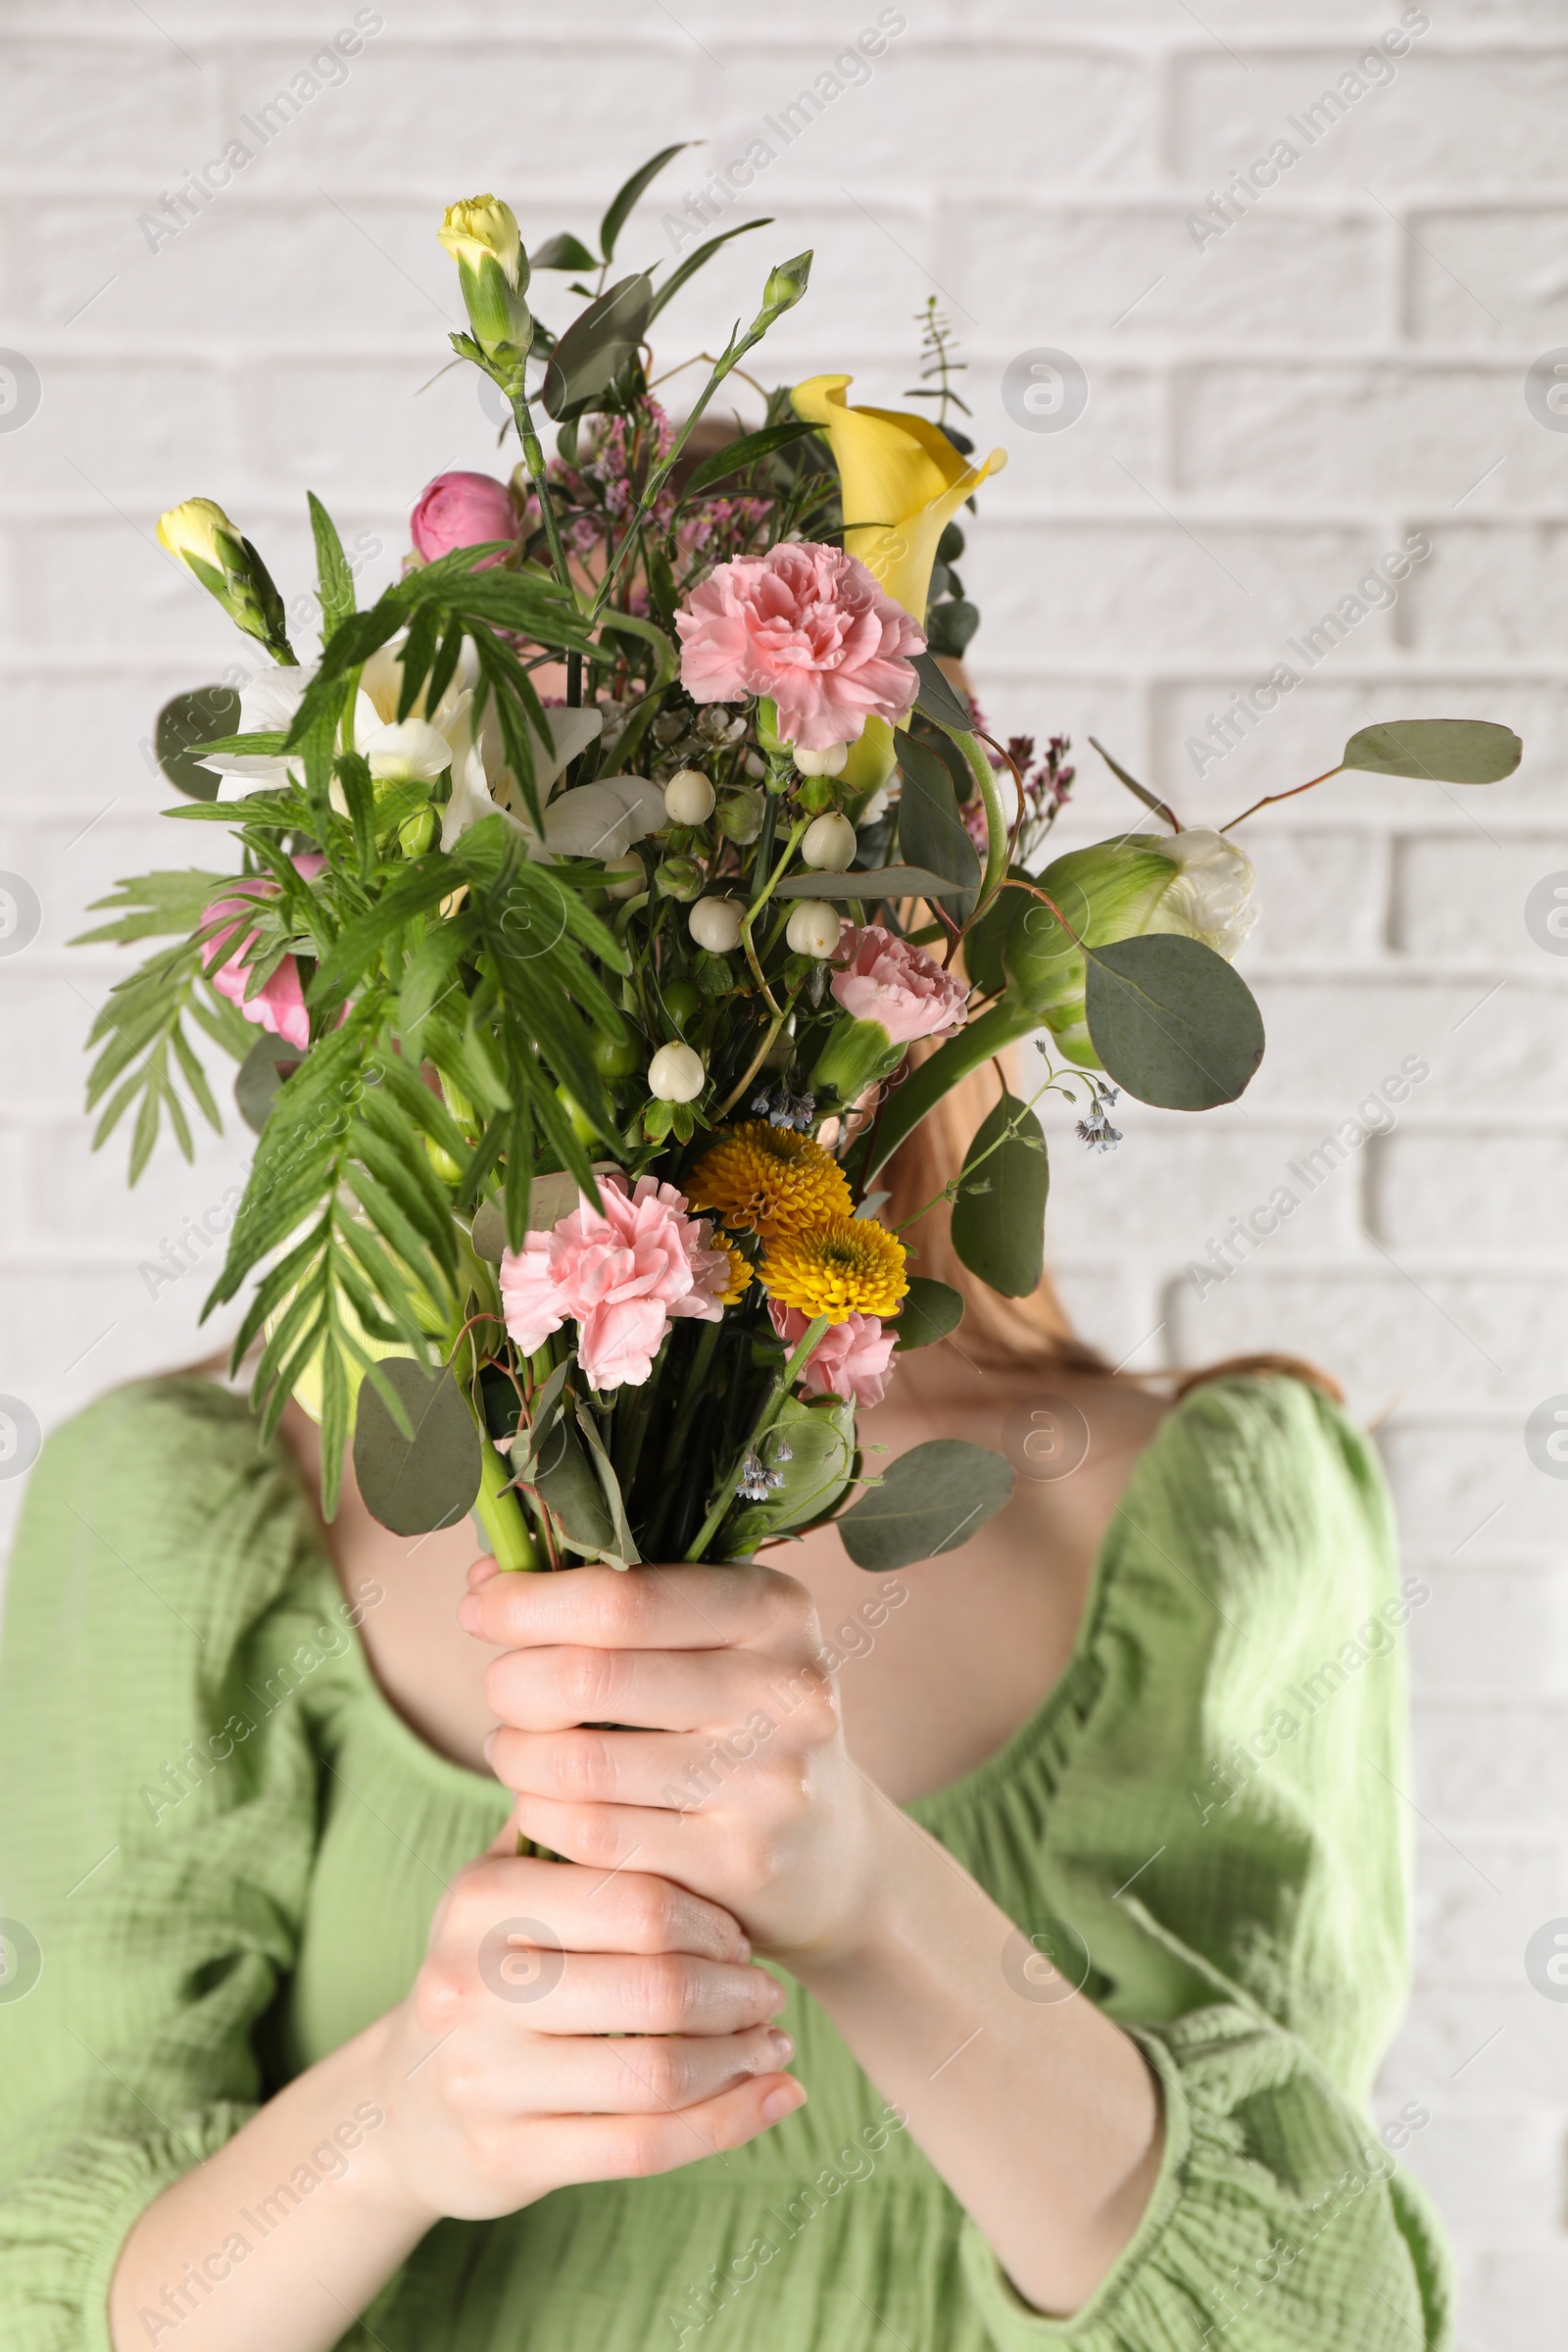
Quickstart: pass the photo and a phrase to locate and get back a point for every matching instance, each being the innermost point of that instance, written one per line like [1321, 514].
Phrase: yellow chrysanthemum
[741, 1272]
[769, 1181]
[852, 1265]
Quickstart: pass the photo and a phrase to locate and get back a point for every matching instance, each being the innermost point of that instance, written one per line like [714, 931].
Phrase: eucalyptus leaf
[1446, 751]
[413, 1484]
[259, 1077]
[811, 1450]
[931, 1500]
[999, 1218]
[873, 882]
[931, 832]
[1171, 1023]
[939, 700]
[569, 1485]
[930, 1310]
[186, 727]
[597, 345]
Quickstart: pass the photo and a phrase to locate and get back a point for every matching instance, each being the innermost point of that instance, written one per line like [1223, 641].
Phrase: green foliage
[1448, 750]
[999, 1218]
[1171, 1023]
[931, 1500]
[426, 1475]
[186, 727]
[930, 1310]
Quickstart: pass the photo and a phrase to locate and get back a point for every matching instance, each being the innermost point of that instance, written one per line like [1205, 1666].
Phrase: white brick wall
[1267, 415]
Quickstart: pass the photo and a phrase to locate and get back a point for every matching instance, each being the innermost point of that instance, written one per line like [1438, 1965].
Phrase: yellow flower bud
[191, 529]
[199, 535]
[484, 228]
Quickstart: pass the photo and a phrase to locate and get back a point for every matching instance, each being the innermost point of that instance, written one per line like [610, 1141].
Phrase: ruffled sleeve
[1279, 2222]
[1223, 1847]
[160, 1603]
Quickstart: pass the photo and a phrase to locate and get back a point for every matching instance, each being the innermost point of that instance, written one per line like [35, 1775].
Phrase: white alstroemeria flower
[482, 782]
[409, 750]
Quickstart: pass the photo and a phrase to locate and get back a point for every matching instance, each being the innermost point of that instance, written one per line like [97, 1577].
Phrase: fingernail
[490, 1739]
[777, 1997]
[746, 1949]
[783, 2101]
[783, 2047]
[469, 1614]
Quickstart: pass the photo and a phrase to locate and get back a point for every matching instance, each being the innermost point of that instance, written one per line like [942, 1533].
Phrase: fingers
[670, 1770]
[633, 2147]
[605, 1838]
[681, 1607]
[555, 1687]
[634, 2073]
[611, 1992]
[584, 1910]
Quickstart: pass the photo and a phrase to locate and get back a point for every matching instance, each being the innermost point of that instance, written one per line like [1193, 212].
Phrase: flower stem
[996, 823]
[533, 458]
[808, 1340]
[499, 1511]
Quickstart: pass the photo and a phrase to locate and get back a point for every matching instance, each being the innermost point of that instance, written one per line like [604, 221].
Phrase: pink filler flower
[851, 1359]
[622, 1276]
[278, 1005]
[808, 626]
[903, 988]
[462, 510]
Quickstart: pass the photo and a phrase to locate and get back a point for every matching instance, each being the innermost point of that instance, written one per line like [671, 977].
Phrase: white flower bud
[716, 925]
[676, 1075]
[814, 927]
[831, 762]
[635, 871]
[688, 798]
[829, 844]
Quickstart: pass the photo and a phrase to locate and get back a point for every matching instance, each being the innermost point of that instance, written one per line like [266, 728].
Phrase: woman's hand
[568, 2026]
[681, 1718]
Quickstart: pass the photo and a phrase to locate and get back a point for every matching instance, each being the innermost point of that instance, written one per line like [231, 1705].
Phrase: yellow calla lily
[901, 477]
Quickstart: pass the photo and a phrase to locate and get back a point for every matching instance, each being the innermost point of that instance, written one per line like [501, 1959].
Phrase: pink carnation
[622, 1275]
[278, 1005]
[903, 988]
[462, 510]
[851, 1359]
[809, 628]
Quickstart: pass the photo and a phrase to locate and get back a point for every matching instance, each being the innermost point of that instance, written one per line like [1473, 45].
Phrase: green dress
[226, 1850]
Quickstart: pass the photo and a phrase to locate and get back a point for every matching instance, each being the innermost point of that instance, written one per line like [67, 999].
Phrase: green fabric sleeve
[1274, 2226]
[1225, 1841]
[161, 1858]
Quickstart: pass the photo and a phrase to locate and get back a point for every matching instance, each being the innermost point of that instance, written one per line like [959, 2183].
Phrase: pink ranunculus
[903, 988]
[462, 510]
[851, 1359]
[621, 1274]
[808, 626]
[278, 1005]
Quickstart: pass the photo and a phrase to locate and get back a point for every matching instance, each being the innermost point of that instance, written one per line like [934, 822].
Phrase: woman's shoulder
[160, 1495]
[1255, 1492]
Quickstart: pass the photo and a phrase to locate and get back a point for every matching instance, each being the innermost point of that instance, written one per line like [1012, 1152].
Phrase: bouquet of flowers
[597, 882]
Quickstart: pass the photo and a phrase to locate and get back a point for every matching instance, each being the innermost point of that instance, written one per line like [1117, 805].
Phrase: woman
[1076, 1868]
